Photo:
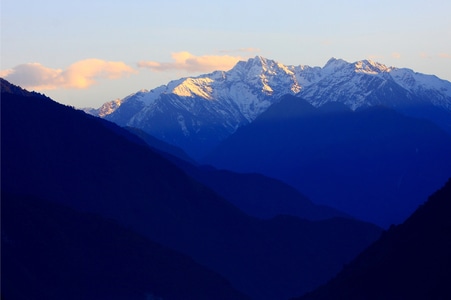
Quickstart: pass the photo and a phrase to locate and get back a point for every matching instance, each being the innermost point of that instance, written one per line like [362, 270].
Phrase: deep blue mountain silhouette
[64, 156]
[53, 252]
[165, 149]
[409, 261]
[375, 163]
[261, 196]
[257, 195]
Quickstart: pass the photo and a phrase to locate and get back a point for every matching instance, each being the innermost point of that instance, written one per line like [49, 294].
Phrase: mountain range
[86, 202]
[375, 163]
[197, 113]
[365, 138]
[74, 186]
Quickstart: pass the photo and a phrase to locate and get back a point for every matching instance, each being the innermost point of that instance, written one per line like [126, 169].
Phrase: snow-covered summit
[267, 77]
[246, 86]
[221, 101]
[334, 65]
[370, 67]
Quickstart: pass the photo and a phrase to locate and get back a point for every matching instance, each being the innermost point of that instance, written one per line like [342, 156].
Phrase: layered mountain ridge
[196, 113]
[81, 165]
[375, 164]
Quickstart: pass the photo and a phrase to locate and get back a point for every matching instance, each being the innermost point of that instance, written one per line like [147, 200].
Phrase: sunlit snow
[250, 87]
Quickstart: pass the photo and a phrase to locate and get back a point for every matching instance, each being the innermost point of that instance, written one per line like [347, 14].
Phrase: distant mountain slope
[161, 146]
[197, 113]
[53, 152]
[409, 261]
[255, 194]
[53, 252]
[261, 196]
[375, 164]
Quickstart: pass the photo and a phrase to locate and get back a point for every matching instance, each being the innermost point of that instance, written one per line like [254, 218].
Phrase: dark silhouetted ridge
[53, 252]
[409, 261]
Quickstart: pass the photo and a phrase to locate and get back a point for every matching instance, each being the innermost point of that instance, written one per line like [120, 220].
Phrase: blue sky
[84, 53]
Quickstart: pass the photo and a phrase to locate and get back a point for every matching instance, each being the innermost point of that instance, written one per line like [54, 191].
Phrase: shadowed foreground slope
[53, 252]
[409, 261]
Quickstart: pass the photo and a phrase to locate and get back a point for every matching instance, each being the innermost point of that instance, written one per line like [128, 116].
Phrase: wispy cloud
[79, 75]
[444, 55]
[396, 55]
[192, 63]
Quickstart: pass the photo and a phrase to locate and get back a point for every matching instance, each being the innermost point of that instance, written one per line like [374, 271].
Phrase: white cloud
[79, 75]
[189, 62]
[34, 75]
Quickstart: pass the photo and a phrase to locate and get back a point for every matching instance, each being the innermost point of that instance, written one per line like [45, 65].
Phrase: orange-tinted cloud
[79, 75]
[444, 55]
[189, 62]
[34, 75]
[396, 55]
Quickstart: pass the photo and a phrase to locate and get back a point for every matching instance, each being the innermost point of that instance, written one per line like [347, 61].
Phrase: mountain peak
[333, 61]
[370, 67]
[366, 66]
[259, 62]
[334, 64]
[192, 87]
[258, 59]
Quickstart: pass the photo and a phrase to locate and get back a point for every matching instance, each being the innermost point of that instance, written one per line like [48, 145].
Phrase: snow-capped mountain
[197, 113]
[106, 108]
[360, 84]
